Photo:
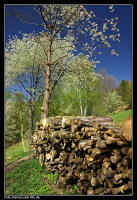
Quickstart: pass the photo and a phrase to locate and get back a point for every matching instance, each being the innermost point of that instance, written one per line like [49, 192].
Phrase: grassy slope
[16, 152]
[118, 118]
[30, 179]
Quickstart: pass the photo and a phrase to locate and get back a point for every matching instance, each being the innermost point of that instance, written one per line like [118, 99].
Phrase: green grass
[15, 152]
[119, 117]
[26, 179]
[30, 179]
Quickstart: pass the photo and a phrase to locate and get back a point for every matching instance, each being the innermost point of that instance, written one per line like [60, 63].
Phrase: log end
[127, 129]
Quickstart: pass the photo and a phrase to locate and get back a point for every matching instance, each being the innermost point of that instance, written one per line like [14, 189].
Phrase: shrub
[112, 101]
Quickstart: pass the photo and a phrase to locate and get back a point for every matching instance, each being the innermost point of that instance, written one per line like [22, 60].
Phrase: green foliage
[74, 187]
[52, 178]
[12, 128]
[125, 90]
[112, 101]
[73, 94]
[23, 178]
[13, 122]
[30, 179]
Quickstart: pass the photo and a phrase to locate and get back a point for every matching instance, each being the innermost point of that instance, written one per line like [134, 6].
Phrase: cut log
[99, 190]
[127, 173]
[66, 121]
[88, 158]
[61, 183]
[53, 140]
[119, 164]
[120, 143]
[129, 184]
[97, 151]
[56, 127]
[101, 144]
[87, 129]
[87, 148]
[84, 143]
[106, 164]
[118, 177]
[120, 189]
[103, 177]
[55, 134]
[104, 124]
[85, 123]
[116, 158]
[95, 181]
[95, 138]
[71, 136]
[90, 133]
[119, 169]
[43, 142]
[127, 162]
[116, 183]
[109, 183]
[103, 119]
[47, 148]
[109, 140]
[127, 151]
[110, 173]
[79, 134]
[64, 132]
[127, 129]
[115, 132]
[75, 128]
[90, 191]
[55, 163]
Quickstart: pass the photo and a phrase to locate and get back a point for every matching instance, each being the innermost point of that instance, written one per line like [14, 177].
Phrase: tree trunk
[85, 111]
[45, 108]
[47, 89]
[80, 101]
[81, 110]
[31, 121]
[21, 131]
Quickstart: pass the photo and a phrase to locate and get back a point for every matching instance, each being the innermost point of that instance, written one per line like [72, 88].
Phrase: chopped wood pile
[89, 152]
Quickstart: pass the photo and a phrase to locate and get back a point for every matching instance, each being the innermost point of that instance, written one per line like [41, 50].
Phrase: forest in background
[98, 98]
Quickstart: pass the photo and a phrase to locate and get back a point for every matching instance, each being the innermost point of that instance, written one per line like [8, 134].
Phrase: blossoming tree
[63, 23]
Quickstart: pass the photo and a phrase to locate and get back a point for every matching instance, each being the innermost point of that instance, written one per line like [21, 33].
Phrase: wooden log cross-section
[90, 152]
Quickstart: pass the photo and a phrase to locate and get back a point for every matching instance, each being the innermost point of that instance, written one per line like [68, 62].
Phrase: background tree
[16, 121]
[112, 101]
[74, 94]
[23, 72]
[125, 90]
[80, 80]
[21, 111]
[105, 84]
[24, 58]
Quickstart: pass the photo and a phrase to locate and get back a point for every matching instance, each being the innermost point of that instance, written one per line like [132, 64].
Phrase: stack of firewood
[89, 152]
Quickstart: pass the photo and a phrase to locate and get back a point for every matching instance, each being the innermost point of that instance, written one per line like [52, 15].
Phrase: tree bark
[45, 108]
[31, 122]
[47, 90]
[21, 131]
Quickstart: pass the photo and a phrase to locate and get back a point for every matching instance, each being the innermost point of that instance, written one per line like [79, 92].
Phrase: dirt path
[10, 166]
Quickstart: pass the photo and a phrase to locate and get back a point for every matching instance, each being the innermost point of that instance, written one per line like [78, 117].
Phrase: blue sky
[118, 66]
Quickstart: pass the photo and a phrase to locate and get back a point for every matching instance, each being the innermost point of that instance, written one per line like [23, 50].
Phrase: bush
[112, 101]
